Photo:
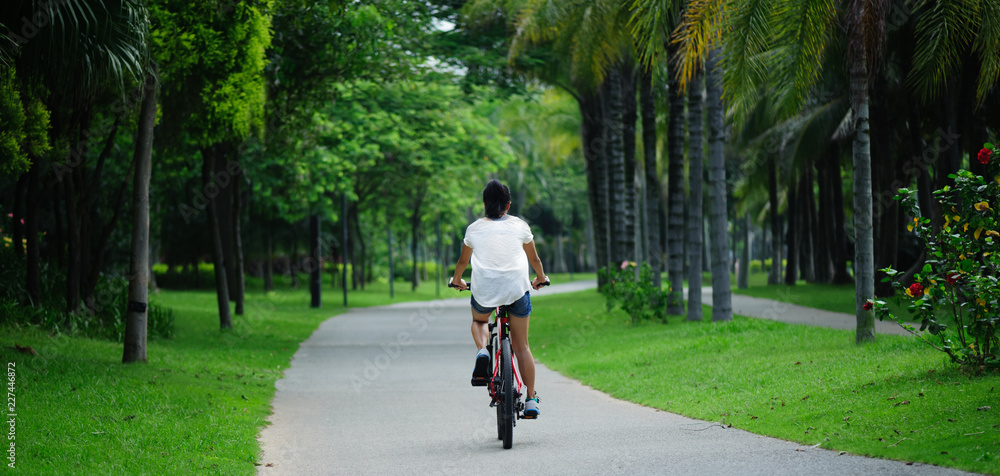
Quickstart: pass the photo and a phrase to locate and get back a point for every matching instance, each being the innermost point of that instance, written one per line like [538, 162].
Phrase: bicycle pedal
[480, 382]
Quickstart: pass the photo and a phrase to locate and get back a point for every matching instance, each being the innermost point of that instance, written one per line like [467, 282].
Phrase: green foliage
[956, 296]
[24, 126]
[637, 296]
[211, 63]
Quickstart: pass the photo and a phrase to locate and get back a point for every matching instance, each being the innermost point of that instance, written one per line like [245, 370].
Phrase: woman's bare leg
[525, 361]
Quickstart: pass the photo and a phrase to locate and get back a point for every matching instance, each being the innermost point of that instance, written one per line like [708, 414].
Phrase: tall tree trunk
[824, 236]
[864, 264]
[616, 165]
[774, 273]
[722, 309]
[654, 256]
[212, 191]
[808, 200]
[696, 213]
[594, 149]
[743, 278]
[839, 253]
[315, 263]
[675, 199]
[792, 237]
[628, 142]
[138, 285]
[237, 239]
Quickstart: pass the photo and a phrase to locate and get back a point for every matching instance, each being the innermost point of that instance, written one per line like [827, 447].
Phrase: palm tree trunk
[616, 164]
[653, 254]
[218, 257]
[774, 274]
[839, 253]
[591, 132]
[792, 237]
[628, 144]
[722, 309]
[675, 199]
[864, 264]
[696, 212]
[138, 285]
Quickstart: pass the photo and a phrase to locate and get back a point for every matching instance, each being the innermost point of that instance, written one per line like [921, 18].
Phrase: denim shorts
[520, 308]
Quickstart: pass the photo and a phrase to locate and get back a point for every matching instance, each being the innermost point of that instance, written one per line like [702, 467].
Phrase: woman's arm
[463, 261]
[536, 264]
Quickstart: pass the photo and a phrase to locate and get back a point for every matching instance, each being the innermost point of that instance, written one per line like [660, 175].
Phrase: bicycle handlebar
[469, 284]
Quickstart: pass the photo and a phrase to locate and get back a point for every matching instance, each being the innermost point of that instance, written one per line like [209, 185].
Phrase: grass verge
[896, 398]
[196, 406]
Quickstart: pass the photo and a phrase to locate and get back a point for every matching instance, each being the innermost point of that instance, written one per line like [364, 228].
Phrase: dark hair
[496, 196]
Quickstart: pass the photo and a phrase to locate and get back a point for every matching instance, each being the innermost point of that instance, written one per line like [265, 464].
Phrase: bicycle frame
[502, 321]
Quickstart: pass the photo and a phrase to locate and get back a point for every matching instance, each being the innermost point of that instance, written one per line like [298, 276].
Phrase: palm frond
[700, 29]
[987, 46]
[650, 23]
[744, 71]
[943, 32]
[802, 28]
[105, 42]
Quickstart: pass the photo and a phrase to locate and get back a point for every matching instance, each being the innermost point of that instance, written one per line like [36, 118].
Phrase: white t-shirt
[499, 264]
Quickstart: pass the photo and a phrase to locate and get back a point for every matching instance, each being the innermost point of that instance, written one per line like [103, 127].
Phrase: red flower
[984, 156]
[953, 277]
[867, 306]
[915, 290]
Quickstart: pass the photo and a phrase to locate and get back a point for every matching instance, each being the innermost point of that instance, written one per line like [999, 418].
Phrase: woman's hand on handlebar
[461, 285]
[539, 282]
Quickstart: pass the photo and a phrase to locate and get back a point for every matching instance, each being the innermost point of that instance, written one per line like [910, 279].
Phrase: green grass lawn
[196, 406]
[896, 398]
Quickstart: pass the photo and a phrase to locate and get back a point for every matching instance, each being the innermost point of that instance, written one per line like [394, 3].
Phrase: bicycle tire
[507, 395]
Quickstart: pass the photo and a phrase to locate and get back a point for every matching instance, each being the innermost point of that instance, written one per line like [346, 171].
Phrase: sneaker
[531, 410]
[481, 373]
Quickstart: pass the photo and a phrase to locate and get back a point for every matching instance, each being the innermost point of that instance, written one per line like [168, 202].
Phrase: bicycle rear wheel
[507, 394]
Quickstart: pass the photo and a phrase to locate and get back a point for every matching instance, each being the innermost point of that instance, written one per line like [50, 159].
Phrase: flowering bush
[639, 298]
[956, 296]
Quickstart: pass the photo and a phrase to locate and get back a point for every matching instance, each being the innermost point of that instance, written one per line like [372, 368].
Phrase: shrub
[956, 296]
[638, 297]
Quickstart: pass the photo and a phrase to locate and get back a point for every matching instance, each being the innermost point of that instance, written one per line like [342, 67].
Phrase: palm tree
[696, 148]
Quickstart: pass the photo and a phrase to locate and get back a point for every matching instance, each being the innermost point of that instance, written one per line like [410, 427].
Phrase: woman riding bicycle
[500, 247]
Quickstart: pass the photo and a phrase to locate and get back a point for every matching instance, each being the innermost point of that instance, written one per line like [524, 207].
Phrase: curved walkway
[385, 391]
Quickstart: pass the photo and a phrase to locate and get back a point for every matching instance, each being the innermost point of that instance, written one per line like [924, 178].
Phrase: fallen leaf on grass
[805, 397]
[984, 408]
[904, 402]
[847, 418]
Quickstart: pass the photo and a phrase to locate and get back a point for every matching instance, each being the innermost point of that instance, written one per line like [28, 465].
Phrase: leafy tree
[213, 97]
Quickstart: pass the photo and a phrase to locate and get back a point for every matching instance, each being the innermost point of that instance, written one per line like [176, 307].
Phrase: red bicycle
[505, 384]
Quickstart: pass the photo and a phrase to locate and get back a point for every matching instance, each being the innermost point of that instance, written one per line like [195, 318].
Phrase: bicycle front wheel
[507, 394]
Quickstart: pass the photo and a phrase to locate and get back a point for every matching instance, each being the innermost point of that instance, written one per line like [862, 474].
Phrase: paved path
[795, 314]
[385, 391]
